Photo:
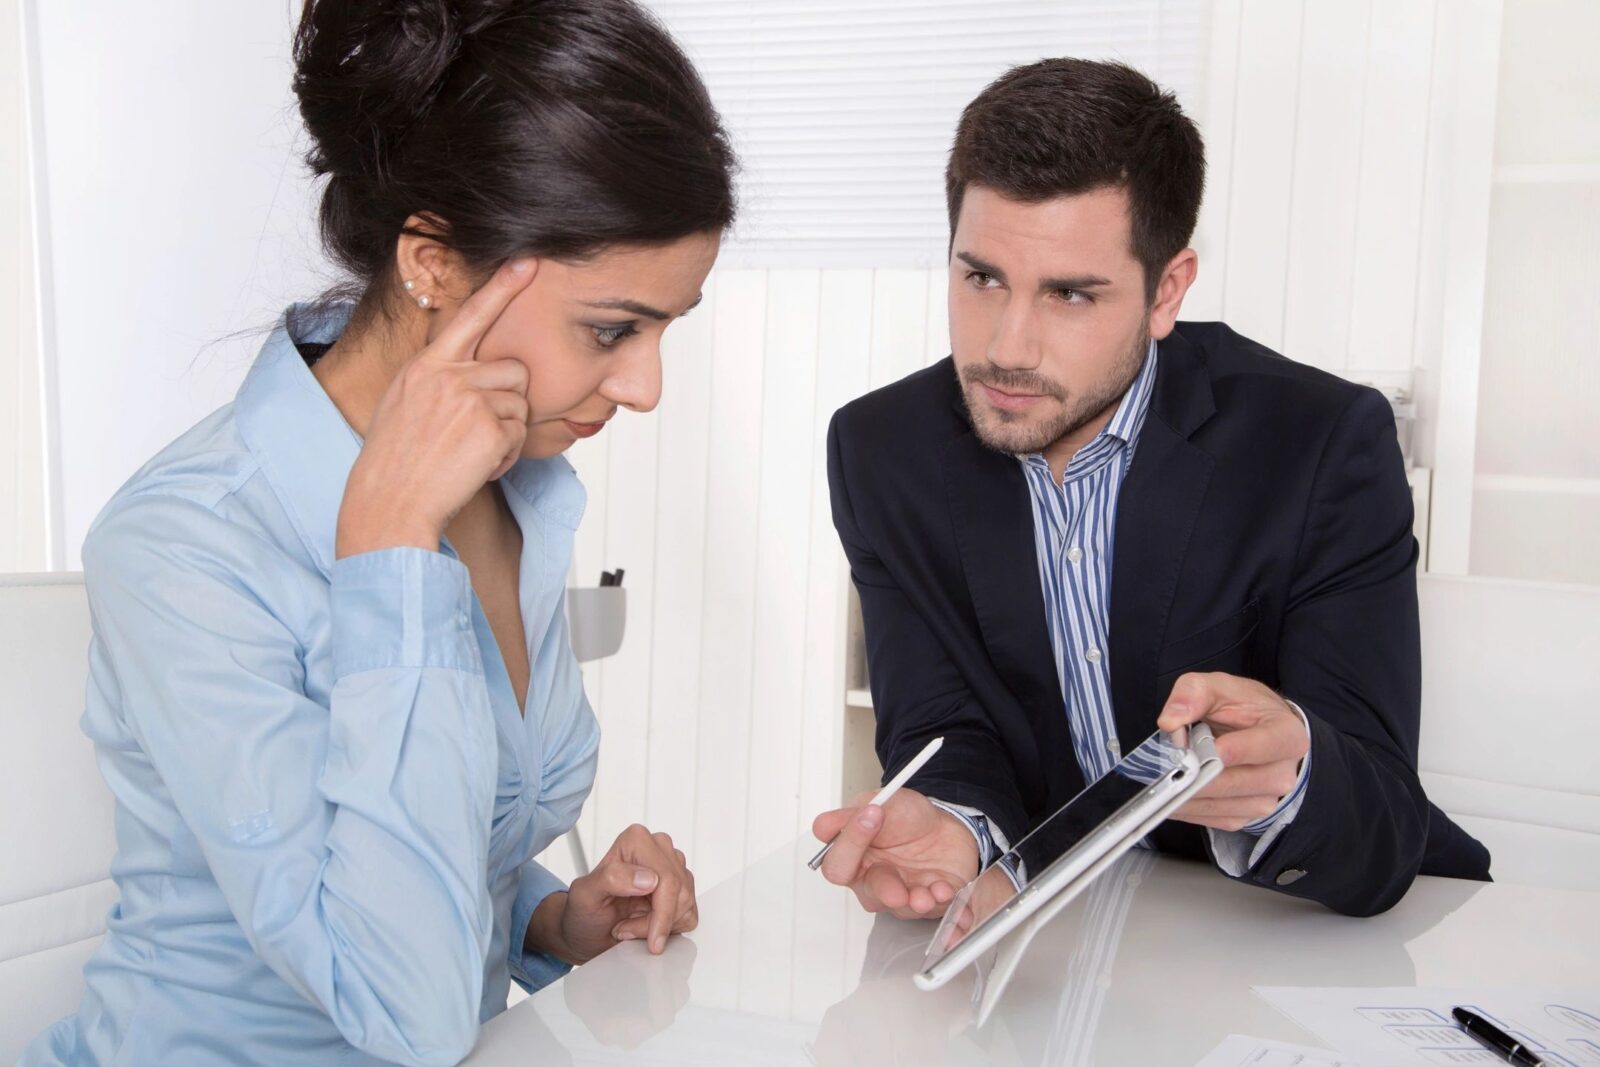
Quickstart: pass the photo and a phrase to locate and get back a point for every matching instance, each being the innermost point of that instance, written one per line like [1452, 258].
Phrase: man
[1094, 521]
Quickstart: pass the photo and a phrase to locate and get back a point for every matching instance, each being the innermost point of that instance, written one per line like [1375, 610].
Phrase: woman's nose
[636, 383]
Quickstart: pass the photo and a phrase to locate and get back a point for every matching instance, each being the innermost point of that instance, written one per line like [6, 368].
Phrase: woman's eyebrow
[636, 308]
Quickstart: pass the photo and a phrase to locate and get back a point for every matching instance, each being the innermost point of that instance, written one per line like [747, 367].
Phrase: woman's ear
[431, 274]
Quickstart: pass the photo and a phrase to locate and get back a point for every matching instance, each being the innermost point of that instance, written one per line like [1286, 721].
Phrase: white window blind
[843, 111]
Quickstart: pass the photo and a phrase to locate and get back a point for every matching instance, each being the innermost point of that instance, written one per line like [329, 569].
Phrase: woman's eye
[610, 336]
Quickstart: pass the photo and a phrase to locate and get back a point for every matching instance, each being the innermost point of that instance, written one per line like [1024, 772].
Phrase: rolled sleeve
[533, 970]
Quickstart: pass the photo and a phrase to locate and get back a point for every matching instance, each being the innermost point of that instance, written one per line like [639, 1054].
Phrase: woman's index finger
[459, 339]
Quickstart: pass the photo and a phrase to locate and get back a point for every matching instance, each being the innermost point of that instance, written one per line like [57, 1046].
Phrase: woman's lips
[584, 429]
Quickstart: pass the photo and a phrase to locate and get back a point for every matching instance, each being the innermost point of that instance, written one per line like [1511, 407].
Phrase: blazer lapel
[1156, 511]
[993, 523]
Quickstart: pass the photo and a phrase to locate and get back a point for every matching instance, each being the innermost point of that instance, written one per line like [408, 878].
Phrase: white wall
[1344, 225]
[1536, 505]
[722, 714]
[176, 221]
[1347, 215]
[22, 502]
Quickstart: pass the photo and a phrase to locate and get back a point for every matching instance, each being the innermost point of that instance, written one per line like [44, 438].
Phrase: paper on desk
[1237, 1050]
[1408, 1026]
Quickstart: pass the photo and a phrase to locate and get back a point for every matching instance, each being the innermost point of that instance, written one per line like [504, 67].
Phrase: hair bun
[365, 72]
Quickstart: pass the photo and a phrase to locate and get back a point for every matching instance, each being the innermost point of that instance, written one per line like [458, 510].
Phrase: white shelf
[858, 698]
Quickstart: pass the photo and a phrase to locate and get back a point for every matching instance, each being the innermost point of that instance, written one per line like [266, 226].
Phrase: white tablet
[1063, 854]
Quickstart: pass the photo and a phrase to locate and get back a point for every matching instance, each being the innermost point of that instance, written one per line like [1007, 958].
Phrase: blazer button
[1290, 875]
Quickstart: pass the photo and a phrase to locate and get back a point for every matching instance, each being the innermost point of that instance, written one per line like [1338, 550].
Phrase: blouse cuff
[532, 970]
[402, 607]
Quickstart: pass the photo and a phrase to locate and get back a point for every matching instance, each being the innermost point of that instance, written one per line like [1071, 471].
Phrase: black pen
[1495, 1039]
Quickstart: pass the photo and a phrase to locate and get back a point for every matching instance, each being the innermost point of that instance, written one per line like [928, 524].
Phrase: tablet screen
[987, 896]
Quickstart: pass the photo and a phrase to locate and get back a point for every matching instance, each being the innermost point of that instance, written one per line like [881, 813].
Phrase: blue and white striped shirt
[1074, 527]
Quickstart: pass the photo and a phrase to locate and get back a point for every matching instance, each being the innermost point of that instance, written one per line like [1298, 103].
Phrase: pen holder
[596, 616]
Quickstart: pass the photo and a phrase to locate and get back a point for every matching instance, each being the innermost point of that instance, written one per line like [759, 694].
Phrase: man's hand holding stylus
[907, 857]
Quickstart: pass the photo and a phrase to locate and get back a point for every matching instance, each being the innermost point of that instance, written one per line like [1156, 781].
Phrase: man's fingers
[824, 826]
[921, 899]
[1230, 824]
[458, 341]
[1276, 739]
[842, 865]
[1275, 779]
[1247, 808]
[1201, 696]
[887, 885]
[1193, 695]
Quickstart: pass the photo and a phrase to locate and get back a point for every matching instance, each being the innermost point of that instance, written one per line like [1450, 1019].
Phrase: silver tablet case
[1012, 944]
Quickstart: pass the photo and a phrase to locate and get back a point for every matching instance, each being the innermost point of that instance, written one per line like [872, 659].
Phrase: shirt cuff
[1238, 851]
[532, 970]
[992, 842]
[402, 607]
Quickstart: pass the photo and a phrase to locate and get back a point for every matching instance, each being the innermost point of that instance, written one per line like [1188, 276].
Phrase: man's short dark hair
[1060, 127]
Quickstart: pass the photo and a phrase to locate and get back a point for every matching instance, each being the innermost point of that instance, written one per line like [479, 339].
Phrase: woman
[331, 683]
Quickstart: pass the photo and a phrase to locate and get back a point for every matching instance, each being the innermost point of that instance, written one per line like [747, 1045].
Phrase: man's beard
[1012, 434]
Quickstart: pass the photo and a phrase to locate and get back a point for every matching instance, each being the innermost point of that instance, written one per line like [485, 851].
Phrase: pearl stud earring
[424, 301]
[410, 285]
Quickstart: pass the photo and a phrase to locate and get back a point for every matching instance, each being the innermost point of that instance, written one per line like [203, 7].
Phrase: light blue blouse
[327, 802]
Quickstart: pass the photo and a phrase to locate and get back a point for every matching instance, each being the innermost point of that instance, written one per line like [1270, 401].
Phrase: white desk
[786, 969]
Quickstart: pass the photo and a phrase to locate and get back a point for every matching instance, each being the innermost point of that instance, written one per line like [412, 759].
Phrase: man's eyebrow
[1072, 281]
[981, 267]
[1075, 281]
[635, 308]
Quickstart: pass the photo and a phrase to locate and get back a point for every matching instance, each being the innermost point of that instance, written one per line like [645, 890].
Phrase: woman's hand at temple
[447, 425]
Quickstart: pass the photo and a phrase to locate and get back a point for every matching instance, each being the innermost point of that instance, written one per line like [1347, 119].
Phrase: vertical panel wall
[722, 715]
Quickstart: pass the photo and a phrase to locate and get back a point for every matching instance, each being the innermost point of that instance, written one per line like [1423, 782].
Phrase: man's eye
[980, 279]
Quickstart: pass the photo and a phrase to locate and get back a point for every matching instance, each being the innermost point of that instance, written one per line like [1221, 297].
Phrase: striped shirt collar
[1119, 433]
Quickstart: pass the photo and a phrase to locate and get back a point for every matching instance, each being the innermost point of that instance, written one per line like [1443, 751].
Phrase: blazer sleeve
[917, 691]
[1350, 655]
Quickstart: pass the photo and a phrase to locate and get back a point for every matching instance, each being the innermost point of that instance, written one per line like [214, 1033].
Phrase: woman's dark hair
[1060, 127]
[516, 127]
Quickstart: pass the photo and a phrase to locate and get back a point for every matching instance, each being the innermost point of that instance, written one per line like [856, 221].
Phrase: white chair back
[56, 830]
[1510, 684]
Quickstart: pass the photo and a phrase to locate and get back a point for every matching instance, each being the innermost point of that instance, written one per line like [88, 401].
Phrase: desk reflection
[1152, 964]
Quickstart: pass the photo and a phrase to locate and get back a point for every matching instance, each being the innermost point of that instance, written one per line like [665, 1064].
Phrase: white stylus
[888, 791]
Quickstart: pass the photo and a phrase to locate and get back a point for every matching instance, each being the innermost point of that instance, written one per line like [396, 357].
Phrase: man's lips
[1009, 401]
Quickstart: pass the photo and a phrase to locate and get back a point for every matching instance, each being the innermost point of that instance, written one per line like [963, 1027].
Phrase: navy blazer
[1263, 530]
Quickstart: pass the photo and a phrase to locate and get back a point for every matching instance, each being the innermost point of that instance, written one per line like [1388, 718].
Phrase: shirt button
[1093, 655]
[1114, 746]
[1074, 553]
[1290, 875]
